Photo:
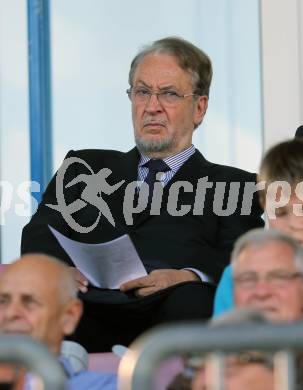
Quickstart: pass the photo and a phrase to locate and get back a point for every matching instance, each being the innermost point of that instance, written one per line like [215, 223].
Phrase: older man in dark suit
[185, 238]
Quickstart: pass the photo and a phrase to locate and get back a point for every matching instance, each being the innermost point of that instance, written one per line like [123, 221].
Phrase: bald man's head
[38, 298]
[57, 273]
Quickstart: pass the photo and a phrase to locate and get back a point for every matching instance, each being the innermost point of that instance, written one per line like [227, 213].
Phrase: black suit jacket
[202, 241]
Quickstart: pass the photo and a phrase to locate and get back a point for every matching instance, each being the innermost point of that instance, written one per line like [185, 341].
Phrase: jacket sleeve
[36, 235]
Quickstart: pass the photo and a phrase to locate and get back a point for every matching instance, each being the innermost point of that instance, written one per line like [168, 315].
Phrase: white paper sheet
[106, 265]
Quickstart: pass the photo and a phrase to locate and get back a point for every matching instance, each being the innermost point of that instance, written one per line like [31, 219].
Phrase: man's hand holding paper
[81, 280]
[158, 280]
[106, 265]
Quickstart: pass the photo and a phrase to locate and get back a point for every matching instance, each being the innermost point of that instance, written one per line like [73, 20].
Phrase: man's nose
[12, 310]
[153, 104]
[262, 288]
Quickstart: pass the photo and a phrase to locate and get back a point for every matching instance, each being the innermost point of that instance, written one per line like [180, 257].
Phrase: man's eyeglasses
[169, 97]
[249, 280]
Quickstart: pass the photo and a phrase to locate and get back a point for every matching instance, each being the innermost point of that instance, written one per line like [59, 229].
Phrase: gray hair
[189, 57]
[261, 237]
[67, 284]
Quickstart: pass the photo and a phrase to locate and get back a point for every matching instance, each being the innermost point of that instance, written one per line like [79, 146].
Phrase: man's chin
[153, 145]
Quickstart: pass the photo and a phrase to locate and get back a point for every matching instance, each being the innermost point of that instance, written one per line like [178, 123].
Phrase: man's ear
[200, 109]
[71, 315]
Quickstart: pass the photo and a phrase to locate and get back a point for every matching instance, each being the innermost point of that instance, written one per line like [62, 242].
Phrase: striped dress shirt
[174, 162]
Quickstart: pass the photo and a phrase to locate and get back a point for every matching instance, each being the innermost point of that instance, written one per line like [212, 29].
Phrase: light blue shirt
[88, 380]
[224, 298]
[83, 380]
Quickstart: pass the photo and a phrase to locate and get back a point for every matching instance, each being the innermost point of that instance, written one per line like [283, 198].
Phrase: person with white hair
[38, 298]
[268, 274]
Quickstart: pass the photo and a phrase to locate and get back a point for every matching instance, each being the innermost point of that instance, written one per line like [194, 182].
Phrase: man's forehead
[163, 67]
[12, 291]
[15, 283]
[25, 281]
[271, 255]
[35, 267]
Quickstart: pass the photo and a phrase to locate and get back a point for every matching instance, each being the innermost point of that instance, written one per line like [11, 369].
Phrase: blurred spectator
[268, 274]
[38, 297]
[282, 199]
[251, 370]
[11, 377]
[268, 277]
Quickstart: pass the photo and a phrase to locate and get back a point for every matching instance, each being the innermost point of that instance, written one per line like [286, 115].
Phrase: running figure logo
[96, 184]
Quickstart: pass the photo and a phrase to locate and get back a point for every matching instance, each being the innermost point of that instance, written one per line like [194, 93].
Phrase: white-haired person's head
[268, 274]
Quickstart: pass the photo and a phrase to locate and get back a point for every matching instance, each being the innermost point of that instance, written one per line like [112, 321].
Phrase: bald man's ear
[71, 315]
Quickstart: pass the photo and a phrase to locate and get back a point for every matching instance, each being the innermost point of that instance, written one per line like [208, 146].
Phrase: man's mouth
[16, 330]
[265, 308]
[154, 122]
[154, 125]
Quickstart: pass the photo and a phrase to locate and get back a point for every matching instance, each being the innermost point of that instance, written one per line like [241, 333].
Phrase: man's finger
[144, 292]
[145, 281]
[82, 280]
[79, 277]
[82, 288]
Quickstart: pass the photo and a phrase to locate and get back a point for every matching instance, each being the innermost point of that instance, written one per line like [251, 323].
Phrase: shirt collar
[67, 366]
[174, 162]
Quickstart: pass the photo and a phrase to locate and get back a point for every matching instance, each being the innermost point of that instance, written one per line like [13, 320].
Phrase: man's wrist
[189, 276]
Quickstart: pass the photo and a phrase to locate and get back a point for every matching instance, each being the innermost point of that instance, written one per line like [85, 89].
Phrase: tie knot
[157, 165]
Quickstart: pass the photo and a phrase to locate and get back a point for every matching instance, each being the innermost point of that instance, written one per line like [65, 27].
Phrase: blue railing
[39, 93]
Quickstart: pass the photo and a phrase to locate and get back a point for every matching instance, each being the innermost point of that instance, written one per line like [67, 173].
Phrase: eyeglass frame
[150, 93]
[272, 278]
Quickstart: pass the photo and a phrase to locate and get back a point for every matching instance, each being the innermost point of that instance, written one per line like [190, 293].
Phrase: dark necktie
[154, 166]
